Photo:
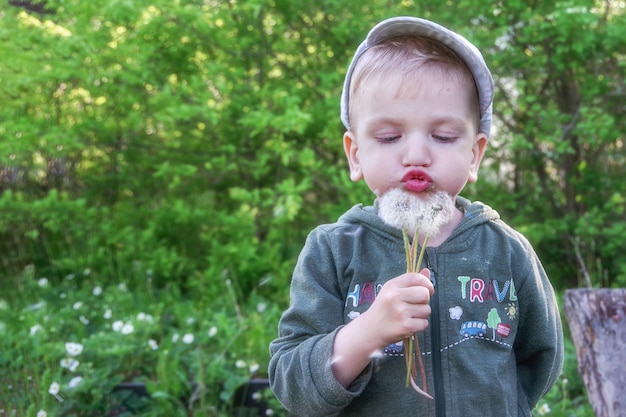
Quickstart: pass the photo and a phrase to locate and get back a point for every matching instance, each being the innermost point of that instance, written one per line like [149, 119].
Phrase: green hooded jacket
[494, 345]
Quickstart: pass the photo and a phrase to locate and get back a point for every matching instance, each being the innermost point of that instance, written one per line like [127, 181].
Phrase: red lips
[417, 181]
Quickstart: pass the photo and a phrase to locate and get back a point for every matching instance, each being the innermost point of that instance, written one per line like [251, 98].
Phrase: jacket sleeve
[300, 370]
[539, 343]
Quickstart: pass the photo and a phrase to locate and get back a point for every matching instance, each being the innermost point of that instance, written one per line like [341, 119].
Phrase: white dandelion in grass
[127, 328]
[74, 382]
[153, 344]
[117, 325]
[42, 413]
[54, 390]
[415, 215]
[188, 338]
[73, 349]
[145, 317]
[69, 363]
[34, 329]
[544, 409]
[212, 331]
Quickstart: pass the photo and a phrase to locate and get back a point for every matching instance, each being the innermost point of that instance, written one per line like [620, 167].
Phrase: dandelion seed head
[254, 367]
[257, 396]
[77, 305]
[407, 211]
[240, 363]
[43, 282]
[153, 344]
[269, 412]
[117, 325]
[97, 291]
[107, 314]
[401, 209]
[188, 338]
[42, 413]
[84, 320]
[175, 337]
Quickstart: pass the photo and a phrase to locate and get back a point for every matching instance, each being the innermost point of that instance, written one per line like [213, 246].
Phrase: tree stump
[597, 321]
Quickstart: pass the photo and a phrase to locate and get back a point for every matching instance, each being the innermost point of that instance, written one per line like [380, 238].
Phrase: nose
[416, 151]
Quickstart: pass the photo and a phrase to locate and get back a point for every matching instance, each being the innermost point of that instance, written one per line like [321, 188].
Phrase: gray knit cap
[406, 25]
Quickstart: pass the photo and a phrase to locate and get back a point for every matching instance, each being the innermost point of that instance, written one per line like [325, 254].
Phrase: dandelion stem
[411, 344]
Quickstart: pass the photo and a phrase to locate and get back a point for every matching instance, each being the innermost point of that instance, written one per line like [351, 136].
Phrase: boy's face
[421, 139]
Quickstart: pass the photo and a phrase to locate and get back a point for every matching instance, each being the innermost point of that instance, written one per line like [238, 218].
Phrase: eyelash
[439, 138]
[444, 138]
[388, 139]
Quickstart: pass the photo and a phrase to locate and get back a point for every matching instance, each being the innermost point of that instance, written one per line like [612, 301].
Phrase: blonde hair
[407, 59]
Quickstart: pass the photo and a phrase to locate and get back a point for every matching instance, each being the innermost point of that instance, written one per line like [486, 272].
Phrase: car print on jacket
[473, 328]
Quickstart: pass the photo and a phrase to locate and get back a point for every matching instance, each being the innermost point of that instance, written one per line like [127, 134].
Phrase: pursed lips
[417, 181]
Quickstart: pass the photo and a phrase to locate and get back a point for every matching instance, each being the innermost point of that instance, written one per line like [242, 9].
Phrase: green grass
[66, 343]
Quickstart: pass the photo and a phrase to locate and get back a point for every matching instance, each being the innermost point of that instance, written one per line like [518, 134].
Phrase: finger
[421, 280]
[426, 273]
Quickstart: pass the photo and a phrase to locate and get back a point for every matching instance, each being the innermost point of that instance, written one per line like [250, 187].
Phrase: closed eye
[388, 139]
[441, 138]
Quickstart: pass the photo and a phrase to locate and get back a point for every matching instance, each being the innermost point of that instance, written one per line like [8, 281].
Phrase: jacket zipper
[435, 335]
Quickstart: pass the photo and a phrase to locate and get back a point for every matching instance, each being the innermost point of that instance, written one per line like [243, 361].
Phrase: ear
[478, 151]
[351, 149]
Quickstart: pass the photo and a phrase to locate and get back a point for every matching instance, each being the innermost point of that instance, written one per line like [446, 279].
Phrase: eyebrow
[451, 120]
[455, 122]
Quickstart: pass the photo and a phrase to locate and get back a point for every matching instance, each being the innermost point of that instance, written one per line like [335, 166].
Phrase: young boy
[416, 104]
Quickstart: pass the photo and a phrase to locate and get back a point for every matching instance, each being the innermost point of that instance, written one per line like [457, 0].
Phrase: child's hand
[401, 308]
